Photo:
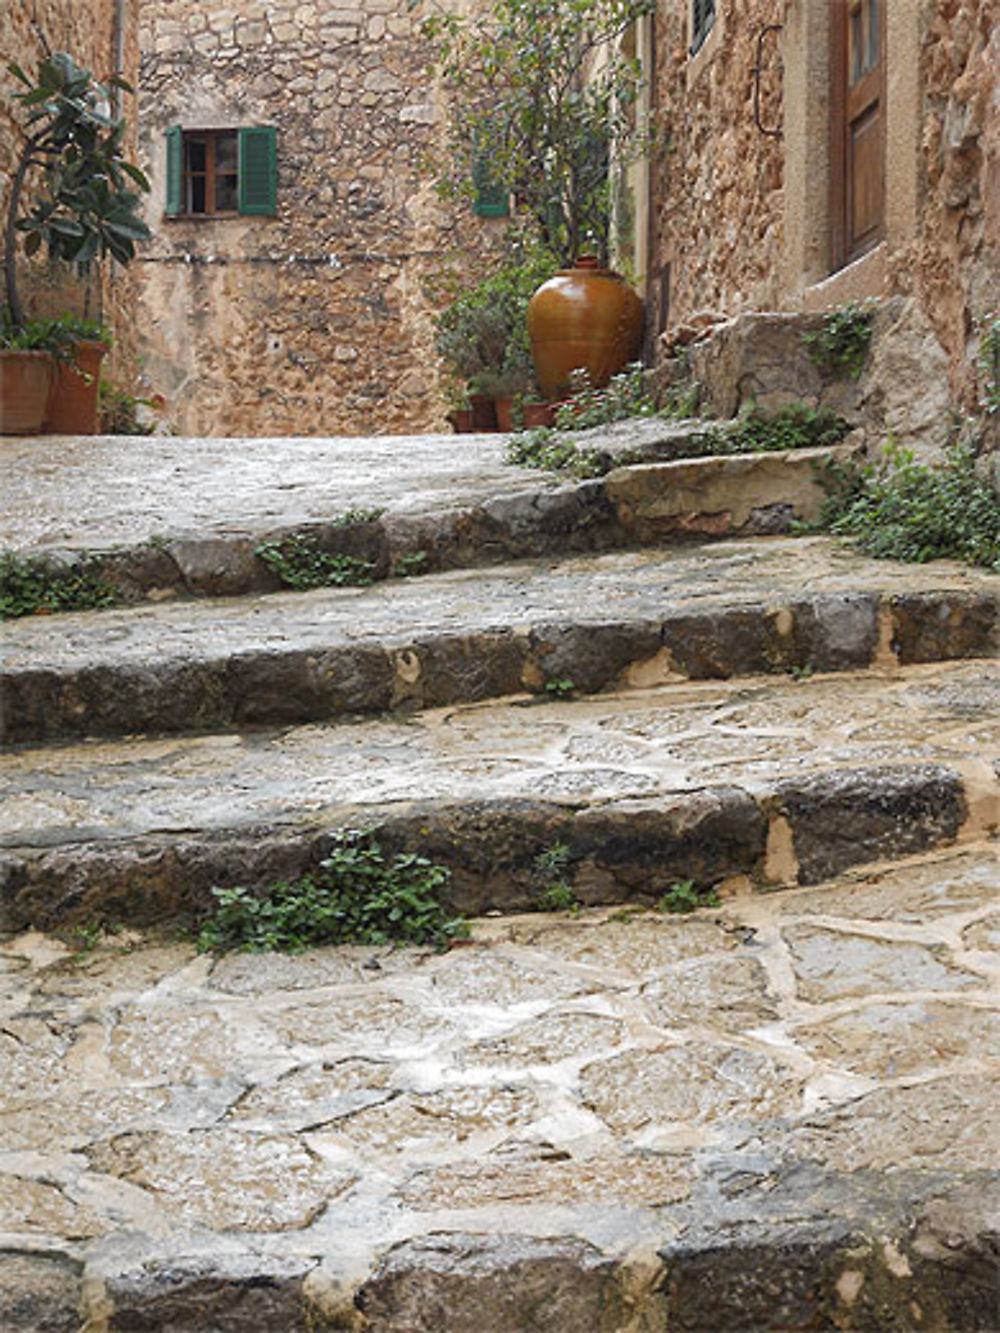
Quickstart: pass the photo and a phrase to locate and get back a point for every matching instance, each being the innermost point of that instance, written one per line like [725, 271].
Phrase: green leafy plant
[554, 892]
[411, 564]
[119, 410]
[906, 510]
[794, 426]
[559, 689]
[623, 397]
[31, 586]
[300, 562]
[684, 897]
[87, 205]
[356, 895]
[354, 518]
[989, 364]
[842, 342]
[544, 93]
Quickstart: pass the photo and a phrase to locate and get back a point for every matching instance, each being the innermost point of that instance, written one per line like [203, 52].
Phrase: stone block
[39, 1292]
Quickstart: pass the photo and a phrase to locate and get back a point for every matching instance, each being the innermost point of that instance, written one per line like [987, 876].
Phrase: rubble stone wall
[317, 321]
[741, 232]
[89, 33]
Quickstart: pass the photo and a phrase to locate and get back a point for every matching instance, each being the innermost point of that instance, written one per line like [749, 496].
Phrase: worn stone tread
[601, 622]
[776, 1113]
[771, 778]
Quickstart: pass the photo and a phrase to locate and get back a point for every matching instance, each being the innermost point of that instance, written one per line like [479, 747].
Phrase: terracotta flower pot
[484, 416]
[539, 414]
[25, 386]
[462, 420]
[583, 318]
[73, 407]
[504, 406]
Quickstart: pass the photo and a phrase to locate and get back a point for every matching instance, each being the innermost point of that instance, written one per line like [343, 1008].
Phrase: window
[219, 172]
[702, 18]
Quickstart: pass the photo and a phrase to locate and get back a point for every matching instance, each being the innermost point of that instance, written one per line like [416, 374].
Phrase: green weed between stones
[989, 365]
[356, 895]
[551, 871]
[300, 562]
[29, 586]
[905, 510]
[684, 897]
[843, 341]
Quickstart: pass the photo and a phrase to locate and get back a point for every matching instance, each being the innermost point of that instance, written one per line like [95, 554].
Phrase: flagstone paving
[815, 1068]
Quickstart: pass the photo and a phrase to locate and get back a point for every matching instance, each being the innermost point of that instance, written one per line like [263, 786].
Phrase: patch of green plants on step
[902, 509]
[358, 894]
[552, 875]
[841, 343]
[622, 398]
[410, 565]
[794, 426]
[354, 518]
[560, 688]
[300, 562]
[684, 897]
[30, 586]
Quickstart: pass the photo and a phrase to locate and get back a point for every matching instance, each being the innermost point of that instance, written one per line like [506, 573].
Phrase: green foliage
[551, 870]
[794, 426]
[30, 586]
[543, 91]
[482, 336]
[300, 562]
[684, 897]
[411, 564]
[842, 343]
[58, 336]
[356, 895]
[353, 518]
[989, 365]
[586, 406]
[559, 689]
[87, 205]
[905, 510]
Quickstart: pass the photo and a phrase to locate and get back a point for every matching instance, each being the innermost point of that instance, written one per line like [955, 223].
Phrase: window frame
[703, 15]
[254, 178]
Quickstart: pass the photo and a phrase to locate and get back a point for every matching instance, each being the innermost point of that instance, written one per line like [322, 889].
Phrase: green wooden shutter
[492, 200]
[702, 18]
[175, 174]
[259, 170]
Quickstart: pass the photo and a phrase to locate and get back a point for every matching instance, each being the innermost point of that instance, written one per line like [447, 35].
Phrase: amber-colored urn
[583, 318]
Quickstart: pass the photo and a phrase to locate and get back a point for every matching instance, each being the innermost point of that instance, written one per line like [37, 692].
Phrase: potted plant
[482, 335]
[72, 190]
[544, 94]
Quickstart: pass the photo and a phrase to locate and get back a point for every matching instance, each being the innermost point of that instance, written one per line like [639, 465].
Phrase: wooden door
[857, 157]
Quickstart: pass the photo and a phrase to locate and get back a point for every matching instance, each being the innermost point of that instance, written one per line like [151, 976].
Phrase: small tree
[542, 97]
[86, 206]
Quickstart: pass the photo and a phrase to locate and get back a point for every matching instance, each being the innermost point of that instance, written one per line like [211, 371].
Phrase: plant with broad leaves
[542, 95]
[88, 202]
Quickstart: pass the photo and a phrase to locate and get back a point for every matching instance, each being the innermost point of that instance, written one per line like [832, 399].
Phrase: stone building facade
[746, 203]
[102, 36]
[316, 317]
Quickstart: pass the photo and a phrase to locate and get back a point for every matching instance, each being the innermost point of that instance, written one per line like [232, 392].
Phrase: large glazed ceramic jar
[583, 318]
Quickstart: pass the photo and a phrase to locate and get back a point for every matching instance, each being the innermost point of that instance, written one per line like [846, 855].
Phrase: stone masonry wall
[719, 192]
[717, 188]
[87, 32]
[317, 321]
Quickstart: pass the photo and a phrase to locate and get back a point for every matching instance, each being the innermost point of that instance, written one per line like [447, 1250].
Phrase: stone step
[764, 781]
[776, 1114]
[581, 624]
[185, 517]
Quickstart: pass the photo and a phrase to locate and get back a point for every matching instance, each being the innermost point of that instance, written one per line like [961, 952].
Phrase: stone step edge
[828, 632]
[713, 498]
[869, 1251]
[798, 831]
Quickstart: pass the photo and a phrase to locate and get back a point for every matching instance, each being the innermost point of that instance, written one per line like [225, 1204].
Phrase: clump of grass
[31, 586]
[300, 562]
[356, 895]
[906, 510]
[684, 897]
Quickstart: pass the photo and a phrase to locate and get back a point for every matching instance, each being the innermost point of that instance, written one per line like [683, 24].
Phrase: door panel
[857, 175]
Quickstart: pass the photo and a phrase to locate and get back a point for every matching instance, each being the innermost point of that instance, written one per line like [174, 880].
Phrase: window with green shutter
[492, 199]
[213, 173]
[702, 18]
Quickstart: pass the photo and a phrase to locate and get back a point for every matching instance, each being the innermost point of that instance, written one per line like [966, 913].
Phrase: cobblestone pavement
[629, 1082]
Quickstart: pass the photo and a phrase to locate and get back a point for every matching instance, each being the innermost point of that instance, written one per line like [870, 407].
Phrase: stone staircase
[776, 1113]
